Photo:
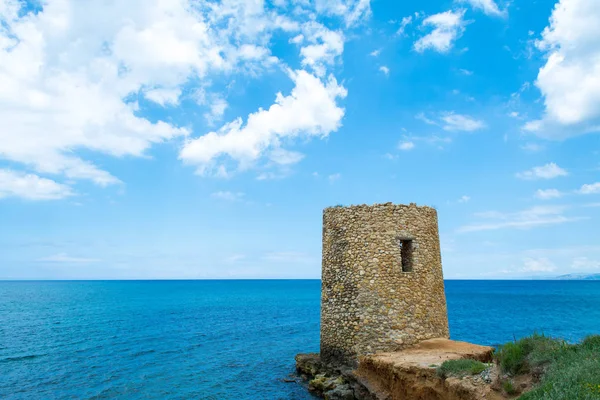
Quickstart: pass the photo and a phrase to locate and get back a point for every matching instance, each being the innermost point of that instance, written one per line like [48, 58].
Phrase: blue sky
[202, 139]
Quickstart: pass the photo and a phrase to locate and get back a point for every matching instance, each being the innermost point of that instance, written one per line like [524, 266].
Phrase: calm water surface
[225, 339]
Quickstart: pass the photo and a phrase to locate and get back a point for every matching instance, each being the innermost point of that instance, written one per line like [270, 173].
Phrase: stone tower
[382, 284]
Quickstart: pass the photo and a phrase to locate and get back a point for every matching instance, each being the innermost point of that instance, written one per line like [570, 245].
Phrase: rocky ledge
[402, 375]
[332, 382]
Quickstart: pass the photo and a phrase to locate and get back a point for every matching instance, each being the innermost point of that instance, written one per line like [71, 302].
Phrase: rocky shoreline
[331, 382]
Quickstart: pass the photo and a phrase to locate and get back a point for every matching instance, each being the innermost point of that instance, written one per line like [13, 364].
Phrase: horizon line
[549, 278]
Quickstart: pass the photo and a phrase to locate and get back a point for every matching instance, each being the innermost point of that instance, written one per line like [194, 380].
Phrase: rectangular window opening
[406, 252]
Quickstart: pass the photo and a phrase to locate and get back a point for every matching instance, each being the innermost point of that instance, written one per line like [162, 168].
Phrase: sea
[226, 339]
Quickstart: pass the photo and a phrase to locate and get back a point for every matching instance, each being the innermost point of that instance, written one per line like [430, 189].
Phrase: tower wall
[368, 303]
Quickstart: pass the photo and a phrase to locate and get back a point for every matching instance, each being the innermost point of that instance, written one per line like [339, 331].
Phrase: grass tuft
[460, 368]
[509, 388]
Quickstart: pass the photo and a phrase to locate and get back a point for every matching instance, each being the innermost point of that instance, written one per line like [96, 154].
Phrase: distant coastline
[575, 277]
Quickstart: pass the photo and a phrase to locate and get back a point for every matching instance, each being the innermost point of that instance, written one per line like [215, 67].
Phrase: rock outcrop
[409, 374]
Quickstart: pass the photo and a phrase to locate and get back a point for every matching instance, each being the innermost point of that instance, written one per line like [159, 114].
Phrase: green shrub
[591, 342]
[529, 353]
[460, 368]
[572, 373]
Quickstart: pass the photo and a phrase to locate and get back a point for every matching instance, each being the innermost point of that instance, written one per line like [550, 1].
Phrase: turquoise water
[225, 339]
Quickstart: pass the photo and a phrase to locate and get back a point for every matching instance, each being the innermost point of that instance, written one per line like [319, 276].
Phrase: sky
[201, 139]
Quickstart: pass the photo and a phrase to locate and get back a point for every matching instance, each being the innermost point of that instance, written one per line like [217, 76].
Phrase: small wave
[236, 365]
[21, 358]
[143, 353]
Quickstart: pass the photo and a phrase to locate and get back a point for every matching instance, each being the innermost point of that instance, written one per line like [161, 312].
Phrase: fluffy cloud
[546, 194]
[450, 121]
[67, 71]
[76, 77]
[309, 110]
[406, 21]
[447, 27]
[352, 11]
[385, 70]
[548, 171]
[570, 79]
[334, 177]
[590, 188]
[487, 6]
[31, 187]
[322, 48]
[406, 145]
[457, 122]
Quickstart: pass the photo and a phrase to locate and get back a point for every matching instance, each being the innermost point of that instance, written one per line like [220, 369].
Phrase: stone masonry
[382, 284]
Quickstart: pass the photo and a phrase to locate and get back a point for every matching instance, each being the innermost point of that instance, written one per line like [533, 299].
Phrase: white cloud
[334, 177]
[216, 105]
[310, 110]
[323, 48]
[489, 7]
[584, 263]
[538, 265]
[76, 77]
[385, 70]
[548, 171]
[375, 53]
[447, 27]
[529, 218]
[450, 121]
[546, 194]
[67, 71]
[403, 24]
[458, 122]
[228, 196]
[217, 109]
[570, 79]
[465, 72]
[352, 11]
[464, 199]
[66, 259]
[164, 96]
[285, 157]
[423, 117]
[406, 145]
[591, 188]
[31, 187]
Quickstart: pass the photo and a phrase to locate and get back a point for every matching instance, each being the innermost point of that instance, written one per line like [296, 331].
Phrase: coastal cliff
[407, 374]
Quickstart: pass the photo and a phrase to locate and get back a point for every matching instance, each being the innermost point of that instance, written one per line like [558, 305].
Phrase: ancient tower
[382, 284]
